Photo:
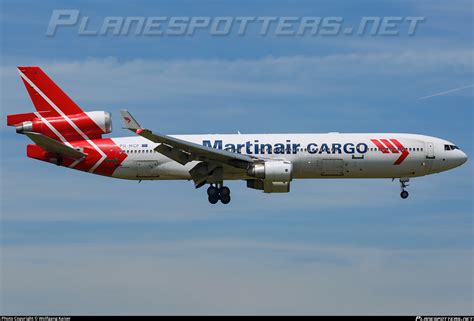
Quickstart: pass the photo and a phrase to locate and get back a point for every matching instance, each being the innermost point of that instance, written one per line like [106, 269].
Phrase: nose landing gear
[218, 192]
[403, 184]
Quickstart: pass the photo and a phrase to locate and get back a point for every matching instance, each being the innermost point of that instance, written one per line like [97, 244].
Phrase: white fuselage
[333, 155]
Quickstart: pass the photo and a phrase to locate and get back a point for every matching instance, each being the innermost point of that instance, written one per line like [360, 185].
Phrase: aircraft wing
[183, 151]
[54, 146]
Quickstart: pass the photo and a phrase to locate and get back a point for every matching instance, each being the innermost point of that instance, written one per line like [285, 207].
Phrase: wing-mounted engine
[271, 176]
[85, 125]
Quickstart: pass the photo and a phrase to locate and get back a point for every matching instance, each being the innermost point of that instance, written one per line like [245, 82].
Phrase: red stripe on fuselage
[404, 154]
[380, 146]
[114, 156]
[114, 159]
[389, 145]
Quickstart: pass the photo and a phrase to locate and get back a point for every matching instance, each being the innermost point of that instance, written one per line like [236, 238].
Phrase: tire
[224, 191]
[211, 191]
[213, 199]
[404, 194]
[225, 199]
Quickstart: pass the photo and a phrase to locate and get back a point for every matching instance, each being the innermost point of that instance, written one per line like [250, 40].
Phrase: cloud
[446, 92]
[224, 276]
[112, 81]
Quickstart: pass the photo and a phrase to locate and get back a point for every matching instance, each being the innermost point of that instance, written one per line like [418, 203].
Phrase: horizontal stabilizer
[15, 119]
[54, 146]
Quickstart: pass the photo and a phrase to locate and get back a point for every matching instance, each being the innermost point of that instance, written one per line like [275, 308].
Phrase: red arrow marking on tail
[404, 154]
[127, 119]
[390, 146]
[380, 146]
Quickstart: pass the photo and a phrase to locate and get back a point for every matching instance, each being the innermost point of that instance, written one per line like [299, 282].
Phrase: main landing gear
[218, 192]
[403, 185]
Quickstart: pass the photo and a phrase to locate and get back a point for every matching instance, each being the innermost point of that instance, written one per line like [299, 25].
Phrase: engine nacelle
[93, 124]
[103, 119]
[272, 171]
[269, 187]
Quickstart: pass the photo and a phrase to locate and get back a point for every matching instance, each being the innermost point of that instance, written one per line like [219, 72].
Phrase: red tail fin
[48, 98]
[57, 116]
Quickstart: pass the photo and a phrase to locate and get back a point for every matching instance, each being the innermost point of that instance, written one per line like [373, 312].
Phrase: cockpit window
[450, 147]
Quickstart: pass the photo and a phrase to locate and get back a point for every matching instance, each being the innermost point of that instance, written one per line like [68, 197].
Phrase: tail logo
[393, 146]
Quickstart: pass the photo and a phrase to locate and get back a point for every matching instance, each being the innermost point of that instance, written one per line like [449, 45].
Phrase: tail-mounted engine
[71, 127]
[271, 176]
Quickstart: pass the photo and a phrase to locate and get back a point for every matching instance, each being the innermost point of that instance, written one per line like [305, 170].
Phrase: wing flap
[173, 153]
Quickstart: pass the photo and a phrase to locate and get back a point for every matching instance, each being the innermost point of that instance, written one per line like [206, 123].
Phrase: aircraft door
[430, 151]
[431, 161]
[333, 167]
[147, 169]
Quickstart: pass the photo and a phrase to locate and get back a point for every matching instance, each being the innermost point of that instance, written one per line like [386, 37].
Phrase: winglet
[128, 121]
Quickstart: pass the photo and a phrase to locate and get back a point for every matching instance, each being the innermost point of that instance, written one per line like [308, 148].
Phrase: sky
[75, 243]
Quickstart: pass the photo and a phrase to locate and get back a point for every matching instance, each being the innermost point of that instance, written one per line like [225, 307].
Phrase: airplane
[65, 135]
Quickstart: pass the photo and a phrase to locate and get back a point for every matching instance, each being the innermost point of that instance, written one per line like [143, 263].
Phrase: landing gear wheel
[403, 184]
[225, 199]
[213, 191]
[224, 190]
[213, 199]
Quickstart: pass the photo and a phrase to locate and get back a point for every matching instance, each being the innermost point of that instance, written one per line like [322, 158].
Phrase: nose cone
[460, 158]
[463, 158]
